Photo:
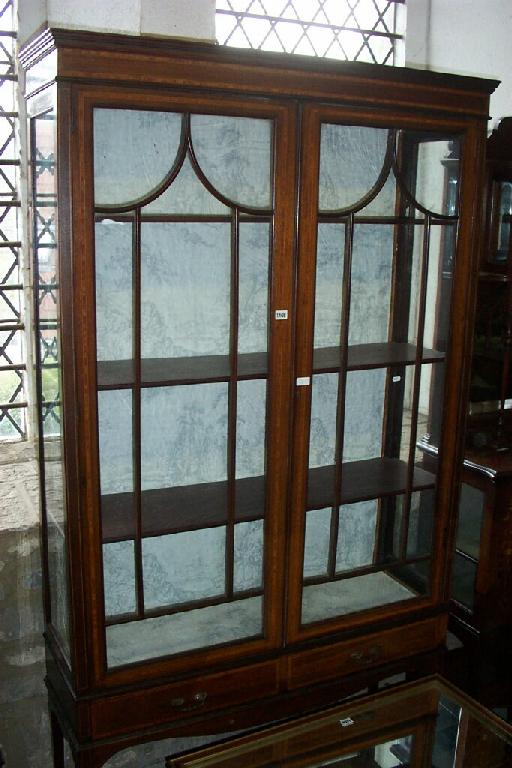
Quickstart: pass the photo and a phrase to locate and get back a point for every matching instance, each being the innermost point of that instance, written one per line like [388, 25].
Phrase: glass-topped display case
[261, 305]
[482, 568]
[427, 724]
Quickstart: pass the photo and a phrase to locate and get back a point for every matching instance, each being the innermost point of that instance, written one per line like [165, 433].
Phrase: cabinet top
[69, 55]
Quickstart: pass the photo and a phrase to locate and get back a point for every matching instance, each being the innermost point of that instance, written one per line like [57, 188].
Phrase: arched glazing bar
[185, 149]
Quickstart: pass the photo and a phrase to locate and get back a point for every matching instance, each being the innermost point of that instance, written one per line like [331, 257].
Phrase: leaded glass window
[350, 30]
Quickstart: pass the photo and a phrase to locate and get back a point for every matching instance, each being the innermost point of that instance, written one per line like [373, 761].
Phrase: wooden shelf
[182, 508]
[364, 480]
[192, 507]
[365, 356]
[156, 371]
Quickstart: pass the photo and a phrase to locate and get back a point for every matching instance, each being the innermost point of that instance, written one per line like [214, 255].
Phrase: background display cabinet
[254, 289]
[481, 606]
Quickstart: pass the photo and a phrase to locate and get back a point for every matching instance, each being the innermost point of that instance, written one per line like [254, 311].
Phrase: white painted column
[192, 19]
[468, 37]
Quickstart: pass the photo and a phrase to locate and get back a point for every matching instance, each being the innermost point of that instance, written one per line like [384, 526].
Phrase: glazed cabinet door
[379, 216]
[192, 371]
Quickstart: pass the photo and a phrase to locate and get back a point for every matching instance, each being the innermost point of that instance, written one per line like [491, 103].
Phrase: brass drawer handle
[369, 656]
[196, 702]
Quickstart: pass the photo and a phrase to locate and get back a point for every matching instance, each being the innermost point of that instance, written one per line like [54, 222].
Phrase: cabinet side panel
[43, 133]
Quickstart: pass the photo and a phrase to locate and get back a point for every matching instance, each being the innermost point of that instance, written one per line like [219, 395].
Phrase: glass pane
[351, 160]
[253, 276]
[350, 595]
[391, 512]
[504, 194]
[250, 432]
[356, 535]
[48, 359]
[364, 414]
[421, 523]
[328, 290]
[187, 631]
[180, 263]
[471, 510]
[134, 150]
[234, 153]
[430, 166]
[184, 439]
[119, 578]
[114, 268]
[317, 541]
[186, 195]
[322, 437]
[489, 354]
[385, 202]
[115, 418]
[430, 406]
[183, 567]
[248, 556]
[463, 580]
[372, 268]
[439, 287]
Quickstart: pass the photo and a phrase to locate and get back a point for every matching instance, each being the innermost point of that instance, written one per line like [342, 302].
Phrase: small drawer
[369, 651]
[166, 703]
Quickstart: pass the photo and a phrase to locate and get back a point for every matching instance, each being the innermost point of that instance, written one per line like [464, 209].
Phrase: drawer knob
[368, 656]
[188, 705]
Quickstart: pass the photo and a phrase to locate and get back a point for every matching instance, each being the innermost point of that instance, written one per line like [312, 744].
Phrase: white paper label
[303, 381]
[281, 314]
[346, 722]
[396, 379]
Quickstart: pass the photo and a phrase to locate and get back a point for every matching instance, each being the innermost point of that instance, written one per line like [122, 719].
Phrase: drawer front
[363, 653]
[166, 703]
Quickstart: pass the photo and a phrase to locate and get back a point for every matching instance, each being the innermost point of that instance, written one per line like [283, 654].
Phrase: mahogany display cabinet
[254, 279]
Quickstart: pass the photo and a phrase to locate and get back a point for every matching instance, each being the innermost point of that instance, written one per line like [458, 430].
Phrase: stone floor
[24, 731]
